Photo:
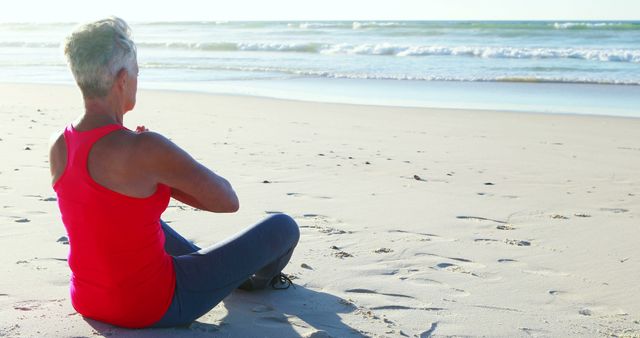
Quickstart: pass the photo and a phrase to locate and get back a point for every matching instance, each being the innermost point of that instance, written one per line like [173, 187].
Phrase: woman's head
[97, 52]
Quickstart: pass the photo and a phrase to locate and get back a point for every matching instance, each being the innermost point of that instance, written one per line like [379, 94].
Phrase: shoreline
[417, 107]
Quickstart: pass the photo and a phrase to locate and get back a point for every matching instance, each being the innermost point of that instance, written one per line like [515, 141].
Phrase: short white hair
[97, 51]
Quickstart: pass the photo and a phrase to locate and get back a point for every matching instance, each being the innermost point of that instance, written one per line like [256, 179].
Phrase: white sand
[436, 256]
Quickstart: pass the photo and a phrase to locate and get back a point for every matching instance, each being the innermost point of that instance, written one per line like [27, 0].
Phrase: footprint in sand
[585, 312]
[508, 260]
[27, 305]
[511, 262]
[452, 268]
[342, 254]
[297, 194]
[467, 262]
[419, 236]
[477, 218]
[514, 242]
[368, 291]
[322, 223]
[546, 273]
[41, 263]
[615, 210]
[484, 194]
[34, 305]
[517, 242]
[485, 240]
[422, 279]
[10, 331]
[280, 322]
[402, 307]
[505, 227]
[314, 216]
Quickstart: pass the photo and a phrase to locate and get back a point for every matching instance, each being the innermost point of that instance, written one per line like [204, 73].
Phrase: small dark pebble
[23, 220]
[335, 247]
[63, 240]
[367, 162]
[417, 178]
[488, 183]
[320, 154]
[266, 181]
[27, 148]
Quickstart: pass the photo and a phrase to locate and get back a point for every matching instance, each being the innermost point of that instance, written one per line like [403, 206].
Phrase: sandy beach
[415, 222]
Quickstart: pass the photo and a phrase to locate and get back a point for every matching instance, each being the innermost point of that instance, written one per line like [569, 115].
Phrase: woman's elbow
[234, 205]
[229, 205]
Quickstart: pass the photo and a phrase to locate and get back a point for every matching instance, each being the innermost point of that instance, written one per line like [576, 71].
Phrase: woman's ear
[121, 78]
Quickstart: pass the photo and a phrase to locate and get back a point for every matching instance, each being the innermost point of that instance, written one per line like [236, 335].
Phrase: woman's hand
[141, 129]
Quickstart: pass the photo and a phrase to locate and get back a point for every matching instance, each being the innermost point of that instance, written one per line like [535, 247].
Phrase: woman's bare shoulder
[57, 154]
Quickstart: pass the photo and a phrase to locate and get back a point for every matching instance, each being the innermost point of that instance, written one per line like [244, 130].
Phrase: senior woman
[128, 267]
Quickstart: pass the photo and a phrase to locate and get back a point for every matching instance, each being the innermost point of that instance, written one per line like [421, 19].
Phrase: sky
[210, 10]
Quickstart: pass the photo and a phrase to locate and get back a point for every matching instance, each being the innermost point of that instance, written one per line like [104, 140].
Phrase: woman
[128, 267]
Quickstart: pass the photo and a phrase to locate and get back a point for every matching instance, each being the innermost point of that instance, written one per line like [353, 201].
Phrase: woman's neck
[99, 112]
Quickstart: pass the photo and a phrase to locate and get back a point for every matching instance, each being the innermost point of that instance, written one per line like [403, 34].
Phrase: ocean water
[556, 67]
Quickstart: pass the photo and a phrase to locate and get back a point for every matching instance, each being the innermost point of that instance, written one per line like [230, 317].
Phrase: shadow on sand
[295, 312]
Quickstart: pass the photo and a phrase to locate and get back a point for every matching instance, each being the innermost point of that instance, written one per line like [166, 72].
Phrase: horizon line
[342, 20]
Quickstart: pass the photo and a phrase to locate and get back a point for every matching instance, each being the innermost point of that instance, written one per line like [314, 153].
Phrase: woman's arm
[191, 182]
[186, 198]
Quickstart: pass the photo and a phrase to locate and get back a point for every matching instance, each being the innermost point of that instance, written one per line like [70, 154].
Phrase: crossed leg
[205, 276]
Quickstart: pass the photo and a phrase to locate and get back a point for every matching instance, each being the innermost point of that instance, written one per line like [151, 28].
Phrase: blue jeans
[206, 276]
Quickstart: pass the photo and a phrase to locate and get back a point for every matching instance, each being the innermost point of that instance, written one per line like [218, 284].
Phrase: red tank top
[120, 272]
